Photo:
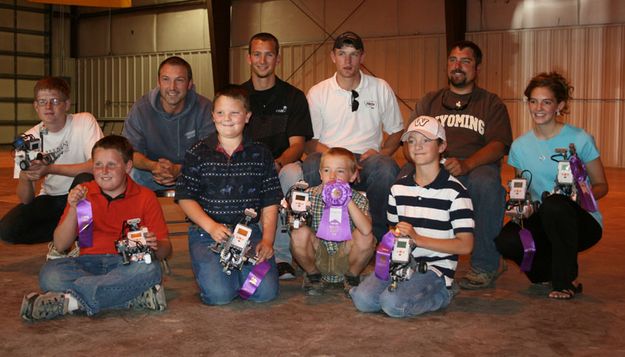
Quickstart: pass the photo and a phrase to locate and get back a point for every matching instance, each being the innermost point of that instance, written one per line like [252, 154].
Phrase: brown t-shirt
[471, 121]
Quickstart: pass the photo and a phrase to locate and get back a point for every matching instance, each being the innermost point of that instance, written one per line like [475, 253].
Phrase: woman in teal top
[560, 227]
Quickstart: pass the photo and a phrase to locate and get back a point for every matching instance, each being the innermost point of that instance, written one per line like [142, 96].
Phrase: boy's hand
[264, 251]
[76, 194]
[405, 229]
[218, 232]
[151, 241]
[36, 171]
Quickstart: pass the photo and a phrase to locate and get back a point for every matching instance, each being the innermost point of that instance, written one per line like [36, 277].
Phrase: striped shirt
[439, 210]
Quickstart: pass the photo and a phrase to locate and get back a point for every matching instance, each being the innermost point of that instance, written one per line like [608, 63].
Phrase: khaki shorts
[335, 264]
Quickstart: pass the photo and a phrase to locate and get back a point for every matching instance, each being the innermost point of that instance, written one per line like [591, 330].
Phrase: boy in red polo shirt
[98, 279]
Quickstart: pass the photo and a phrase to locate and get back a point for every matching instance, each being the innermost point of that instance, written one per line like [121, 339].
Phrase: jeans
[289, 175]
[422, 293]
[376, 178]
[99, 282]
[489, 201]
[144, 178]
[218, 288]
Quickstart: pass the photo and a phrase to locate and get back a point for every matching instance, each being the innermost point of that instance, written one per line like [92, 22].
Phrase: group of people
[245, 149]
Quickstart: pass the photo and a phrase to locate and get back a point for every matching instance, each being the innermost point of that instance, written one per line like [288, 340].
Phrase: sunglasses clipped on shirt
[355, 102]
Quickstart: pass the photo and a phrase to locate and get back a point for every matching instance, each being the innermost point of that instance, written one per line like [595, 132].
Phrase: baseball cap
[349, 39]
[428, 126]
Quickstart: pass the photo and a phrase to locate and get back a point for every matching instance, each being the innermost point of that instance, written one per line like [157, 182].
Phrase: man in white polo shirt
[350, 110]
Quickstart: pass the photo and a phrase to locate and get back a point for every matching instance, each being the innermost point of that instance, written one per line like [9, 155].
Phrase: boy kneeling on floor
[100, 279]
[434, 210]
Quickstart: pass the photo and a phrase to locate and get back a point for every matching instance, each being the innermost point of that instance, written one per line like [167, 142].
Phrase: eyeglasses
[456, 106]
[355, 103]
[44, 102]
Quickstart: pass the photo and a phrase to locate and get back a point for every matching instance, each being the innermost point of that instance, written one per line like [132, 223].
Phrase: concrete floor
[515, 318]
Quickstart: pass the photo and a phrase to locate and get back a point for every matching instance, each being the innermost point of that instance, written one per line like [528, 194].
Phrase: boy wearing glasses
[68, 138]
[350, 110]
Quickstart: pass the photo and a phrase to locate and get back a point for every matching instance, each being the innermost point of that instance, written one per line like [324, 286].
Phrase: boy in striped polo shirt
[435, 211]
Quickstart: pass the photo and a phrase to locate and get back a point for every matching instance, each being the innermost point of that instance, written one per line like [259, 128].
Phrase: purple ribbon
[383, 256]
[254, 278]
[334, 225]
[584, 192]
[85, 224]
[529, 249]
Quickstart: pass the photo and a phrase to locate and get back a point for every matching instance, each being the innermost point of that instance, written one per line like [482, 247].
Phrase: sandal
[566, 294]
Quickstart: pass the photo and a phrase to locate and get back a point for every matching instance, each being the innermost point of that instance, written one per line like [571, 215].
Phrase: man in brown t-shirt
[478, 136]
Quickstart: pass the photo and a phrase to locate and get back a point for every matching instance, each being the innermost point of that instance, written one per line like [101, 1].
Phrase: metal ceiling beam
[219, 32]
[455, 20]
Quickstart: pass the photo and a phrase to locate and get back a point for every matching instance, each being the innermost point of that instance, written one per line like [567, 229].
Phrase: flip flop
[566, 294]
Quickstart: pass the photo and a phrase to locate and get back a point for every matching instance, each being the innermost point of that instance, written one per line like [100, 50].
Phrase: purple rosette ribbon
[254, 278]
[584, 192]
[529, 249]
[383, 256]
[84, 217]
[334, 225]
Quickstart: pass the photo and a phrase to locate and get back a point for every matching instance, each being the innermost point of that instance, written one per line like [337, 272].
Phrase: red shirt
[109, 216]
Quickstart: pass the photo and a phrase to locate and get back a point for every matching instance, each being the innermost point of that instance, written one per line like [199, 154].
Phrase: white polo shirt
[334, 123]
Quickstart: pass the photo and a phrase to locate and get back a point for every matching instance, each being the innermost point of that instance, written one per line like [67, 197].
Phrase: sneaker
[349, 282]
[475, 280]
[285, 271]
[313, 286]
[46, 306]
[151, 299]
[55, 254]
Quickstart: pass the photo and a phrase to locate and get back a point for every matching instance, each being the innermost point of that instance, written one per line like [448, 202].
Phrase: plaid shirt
[317, 205]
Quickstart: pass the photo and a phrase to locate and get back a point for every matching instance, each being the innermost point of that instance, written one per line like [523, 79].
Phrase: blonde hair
[342, 152]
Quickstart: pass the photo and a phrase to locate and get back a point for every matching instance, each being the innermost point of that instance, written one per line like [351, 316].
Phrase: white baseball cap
[428, 126]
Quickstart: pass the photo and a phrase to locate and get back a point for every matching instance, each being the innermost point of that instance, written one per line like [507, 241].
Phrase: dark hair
[115, 142]
[342, 152]
[349, 39]
[557, 84]
[234, 91]
[477, 52]
[176, 61]
[53, 83]
[265, 37]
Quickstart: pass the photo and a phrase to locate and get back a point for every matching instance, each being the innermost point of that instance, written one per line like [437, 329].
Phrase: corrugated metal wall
[108, 86]
[590, 57]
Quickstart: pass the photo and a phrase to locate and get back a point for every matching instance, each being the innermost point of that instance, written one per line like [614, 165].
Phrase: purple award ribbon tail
[84, 215]
[334, 225]
[529, 249]
[383, 256]
[584, 192]
[254, 278]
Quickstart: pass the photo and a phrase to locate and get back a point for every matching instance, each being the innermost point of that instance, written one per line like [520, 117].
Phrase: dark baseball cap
[349, 39]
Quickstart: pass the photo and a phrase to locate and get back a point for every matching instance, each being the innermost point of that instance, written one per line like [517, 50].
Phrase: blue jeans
[144, 178]
[217, 288]
[289, 175]
[422, 293]
[376, 178]
[489, 201]
[99, 282]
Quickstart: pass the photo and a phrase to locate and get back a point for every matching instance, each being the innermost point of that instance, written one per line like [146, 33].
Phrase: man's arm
[490, 153]
[391, 144]
[142, 162]
[294, 152]
[313, 145]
